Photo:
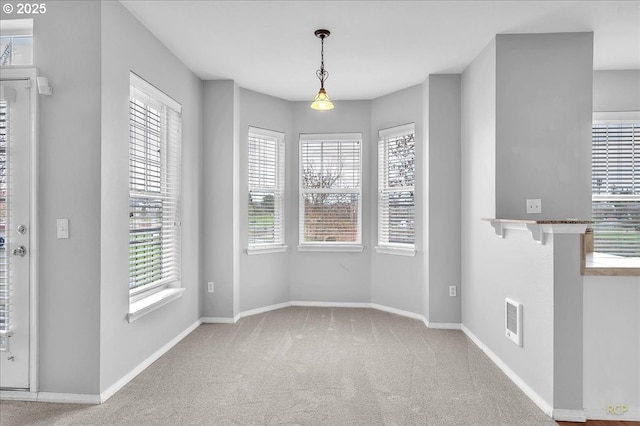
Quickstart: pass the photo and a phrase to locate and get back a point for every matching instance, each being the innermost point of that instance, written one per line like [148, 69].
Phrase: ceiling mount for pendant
[322, 101]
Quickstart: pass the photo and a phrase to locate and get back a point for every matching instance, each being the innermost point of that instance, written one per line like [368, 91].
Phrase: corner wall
[264, 278]
[128, 45]
[398, 281]
[493, 269]
[69, 187]
[527, 115]
[221, 249]
[443, 199]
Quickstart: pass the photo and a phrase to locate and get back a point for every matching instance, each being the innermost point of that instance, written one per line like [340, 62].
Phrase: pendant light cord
[321, 73]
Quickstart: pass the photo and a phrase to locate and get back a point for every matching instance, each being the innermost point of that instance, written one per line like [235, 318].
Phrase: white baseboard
[444, 325]
[569, 415]
[303, 303]
[524, 387]
[111, 390]
[69, 398]
[56, 397]
[217, 320]
[633, 414]
[400, 312]
[17, 395]
[262, 310]
[331, 304]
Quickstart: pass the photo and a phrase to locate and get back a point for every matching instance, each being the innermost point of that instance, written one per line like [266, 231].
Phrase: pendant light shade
[322, 102]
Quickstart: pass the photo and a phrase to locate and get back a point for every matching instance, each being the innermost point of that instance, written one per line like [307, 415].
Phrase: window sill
[266, 250]
[603, 264]
[148, 304]
[398, 251]
[352, 248]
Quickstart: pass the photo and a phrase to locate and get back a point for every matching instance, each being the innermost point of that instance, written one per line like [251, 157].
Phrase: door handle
[20, 251]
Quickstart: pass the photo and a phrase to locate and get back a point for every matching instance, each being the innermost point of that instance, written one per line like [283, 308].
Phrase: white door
[15, 145]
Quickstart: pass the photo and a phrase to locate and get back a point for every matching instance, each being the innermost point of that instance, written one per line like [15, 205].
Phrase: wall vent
[513, 321]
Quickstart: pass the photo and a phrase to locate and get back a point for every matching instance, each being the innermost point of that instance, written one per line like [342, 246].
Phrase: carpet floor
[307, 366]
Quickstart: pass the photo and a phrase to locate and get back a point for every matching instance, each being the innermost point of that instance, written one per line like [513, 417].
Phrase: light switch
[63, 228]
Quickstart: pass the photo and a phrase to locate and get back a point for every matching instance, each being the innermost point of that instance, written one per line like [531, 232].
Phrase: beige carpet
[325, 366]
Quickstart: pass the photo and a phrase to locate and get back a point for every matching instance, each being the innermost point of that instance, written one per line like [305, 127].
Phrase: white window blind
[155, 148]
[266, 188]
[396, 186]
[330, 189]
[5, 282]
[616, 188]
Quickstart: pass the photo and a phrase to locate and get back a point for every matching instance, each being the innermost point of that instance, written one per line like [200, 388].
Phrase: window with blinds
[396, 187]
[615, 187]
[266, 189]
[155, 144]
[330, 189]
[5, 283]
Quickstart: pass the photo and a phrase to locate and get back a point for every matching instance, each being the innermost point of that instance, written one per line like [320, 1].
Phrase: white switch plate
[534, 205]
[62, 226]
[210, 286]
[452, 290]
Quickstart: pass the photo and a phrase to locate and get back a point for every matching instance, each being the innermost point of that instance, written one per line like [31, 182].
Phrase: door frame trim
[30, 74]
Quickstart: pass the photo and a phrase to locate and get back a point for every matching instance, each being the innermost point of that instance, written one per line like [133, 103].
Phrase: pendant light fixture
[322, 102]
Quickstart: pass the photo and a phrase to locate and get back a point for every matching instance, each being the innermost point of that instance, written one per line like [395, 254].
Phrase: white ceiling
[375, 47]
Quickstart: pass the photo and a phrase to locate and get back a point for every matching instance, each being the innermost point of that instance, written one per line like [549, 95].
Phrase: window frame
[384, 137]
[149, 296]
[279, 191]
[597, 263]
[329, 246]
[22, 29]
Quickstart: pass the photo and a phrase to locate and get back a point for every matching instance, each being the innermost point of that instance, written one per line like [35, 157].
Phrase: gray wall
[616, 90]
[264, 278]
[331, 277]
[443, 196]
[398, 281]
[493, 269]
[220, 221]
[540, 89]
[543, 103]
[567, 323]
[69, 187]
[128, 45]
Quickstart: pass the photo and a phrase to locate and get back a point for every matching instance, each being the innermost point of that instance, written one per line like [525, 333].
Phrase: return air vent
[513, 321]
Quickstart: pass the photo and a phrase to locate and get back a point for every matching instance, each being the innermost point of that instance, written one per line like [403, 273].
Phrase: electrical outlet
[62, 228]
[452, 290]
[534, 205]
[210, 286]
